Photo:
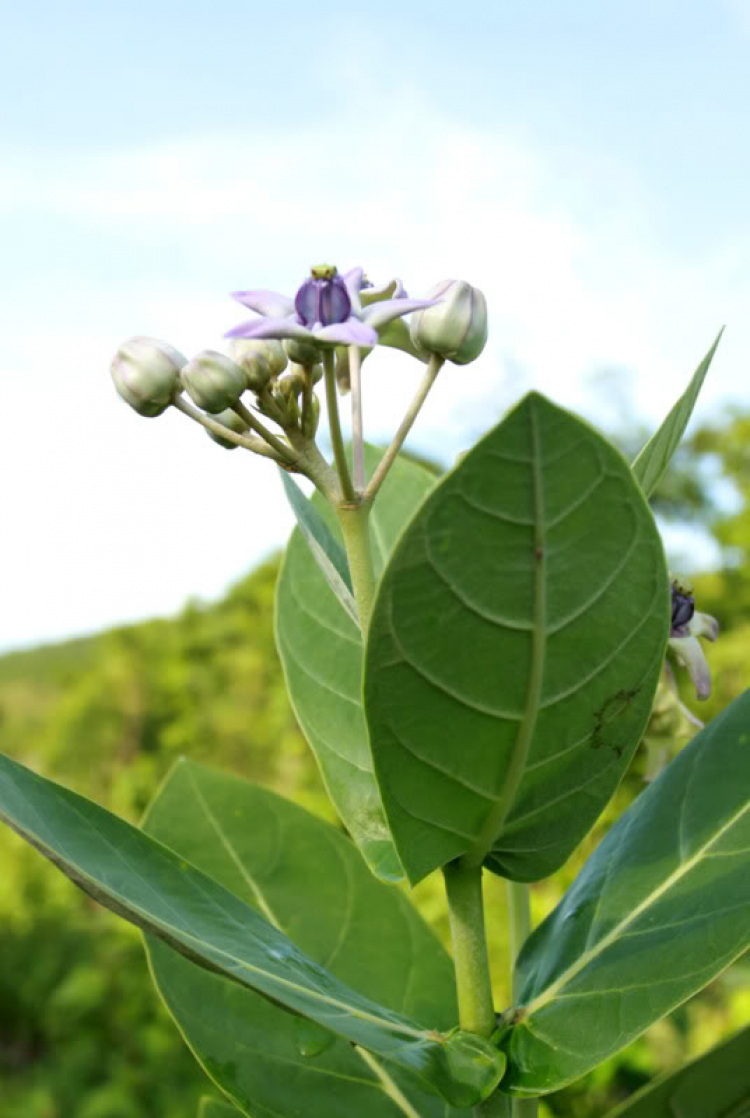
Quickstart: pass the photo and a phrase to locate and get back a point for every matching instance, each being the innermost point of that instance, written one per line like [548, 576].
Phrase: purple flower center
[323, 299]
[683, 608]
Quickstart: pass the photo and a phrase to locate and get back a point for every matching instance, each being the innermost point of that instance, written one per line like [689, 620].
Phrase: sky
[584, 163]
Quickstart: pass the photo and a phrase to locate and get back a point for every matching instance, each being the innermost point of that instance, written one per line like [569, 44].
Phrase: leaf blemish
[611, 709]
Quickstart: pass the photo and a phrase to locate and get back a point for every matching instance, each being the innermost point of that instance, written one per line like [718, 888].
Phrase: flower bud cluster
[279, 356]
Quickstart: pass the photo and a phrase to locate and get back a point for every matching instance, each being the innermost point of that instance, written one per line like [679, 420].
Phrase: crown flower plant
[474, 661]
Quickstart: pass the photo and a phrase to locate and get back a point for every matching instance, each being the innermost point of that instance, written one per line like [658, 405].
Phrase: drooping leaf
[716, 1085]
[326, 550]
[514, 648]
[652, 461]
[321, 651]
[310, 882]
[152, 887]
[661, 907]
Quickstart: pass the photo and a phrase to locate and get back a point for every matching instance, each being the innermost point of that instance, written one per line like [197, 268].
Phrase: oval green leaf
[321, 652]
[514, 648]
[716, 1085]
[661, 907]
[152, 887]
[310, 882]
[212, 1108]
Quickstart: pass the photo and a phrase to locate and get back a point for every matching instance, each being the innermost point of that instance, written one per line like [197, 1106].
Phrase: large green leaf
[158, 891]
[308, 880]
[652, 461]
[514, 648]
[661, 907]
[716, 1085]
[212, 1108]
[321, 651]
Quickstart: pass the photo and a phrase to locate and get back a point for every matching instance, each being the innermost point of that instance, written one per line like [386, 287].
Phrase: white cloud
[114, 517]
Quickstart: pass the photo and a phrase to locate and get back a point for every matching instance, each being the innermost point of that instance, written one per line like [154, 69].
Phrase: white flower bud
[146, 373]
[454, 328]
[214, 381]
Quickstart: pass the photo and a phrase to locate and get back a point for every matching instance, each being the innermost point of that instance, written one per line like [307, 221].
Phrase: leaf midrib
[496, 819]
[575, 968]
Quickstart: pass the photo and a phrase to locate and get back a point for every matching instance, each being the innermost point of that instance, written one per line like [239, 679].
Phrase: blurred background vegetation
[81, 1031]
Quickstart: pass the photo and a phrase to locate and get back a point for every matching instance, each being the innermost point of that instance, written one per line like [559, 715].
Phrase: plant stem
[463, 886]
[519, 913]
[334, 425]
[354, 527]
[496, 1106]
[519, 925]
[358, 444]
[249, 442]
[252, 421]
[377, 479]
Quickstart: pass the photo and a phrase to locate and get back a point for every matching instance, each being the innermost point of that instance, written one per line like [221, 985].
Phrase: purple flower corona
[323, 299]
[683, 608]
[327, 309]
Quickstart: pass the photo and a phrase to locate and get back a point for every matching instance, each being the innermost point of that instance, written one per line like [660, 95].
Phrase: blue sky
[586, 163]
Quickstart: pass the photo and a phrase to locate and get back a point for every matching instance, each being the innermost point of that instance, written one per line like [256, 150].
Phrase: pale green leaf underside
[661, 907]
[308, 880]
[716, 1085]
[652, 461]
[514, 648]
[152, 887]
[325, 549]
[321, 651]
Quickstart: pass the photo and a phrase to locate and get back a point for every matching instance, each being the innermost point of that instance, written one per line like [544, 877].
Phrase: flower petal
[270, 328]
[355, 281]
[689, 652]
[703, 625]
[351, 332]
[377, 314]
[269, 303]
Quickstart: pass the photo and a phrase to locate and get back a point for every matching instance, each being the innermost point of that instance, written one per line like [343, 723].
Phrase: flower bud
[245, 350]
[146, 373]
[454, 328]
[234, 422]
[214, 381]
[312, 419]
[302, 353]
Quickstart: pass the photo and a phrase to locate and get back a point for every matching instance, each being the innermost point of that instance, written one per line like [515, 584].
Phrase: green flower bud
[454, 328]
[146, 373]
[214, 381]
[313, 418]
[261, 358]
[254, 365]
[234, 422]
[302, 353]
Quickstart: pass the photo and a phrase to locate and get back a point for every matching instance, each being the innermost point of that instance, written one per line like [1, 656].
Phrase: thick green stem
[334, 426]
[463, 886]
[519, 925]
[353, 520]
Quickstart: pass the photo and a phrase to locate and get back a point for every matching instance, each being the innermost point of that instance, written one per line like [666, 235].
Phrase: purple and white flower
[686, 627]
[328, 309]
